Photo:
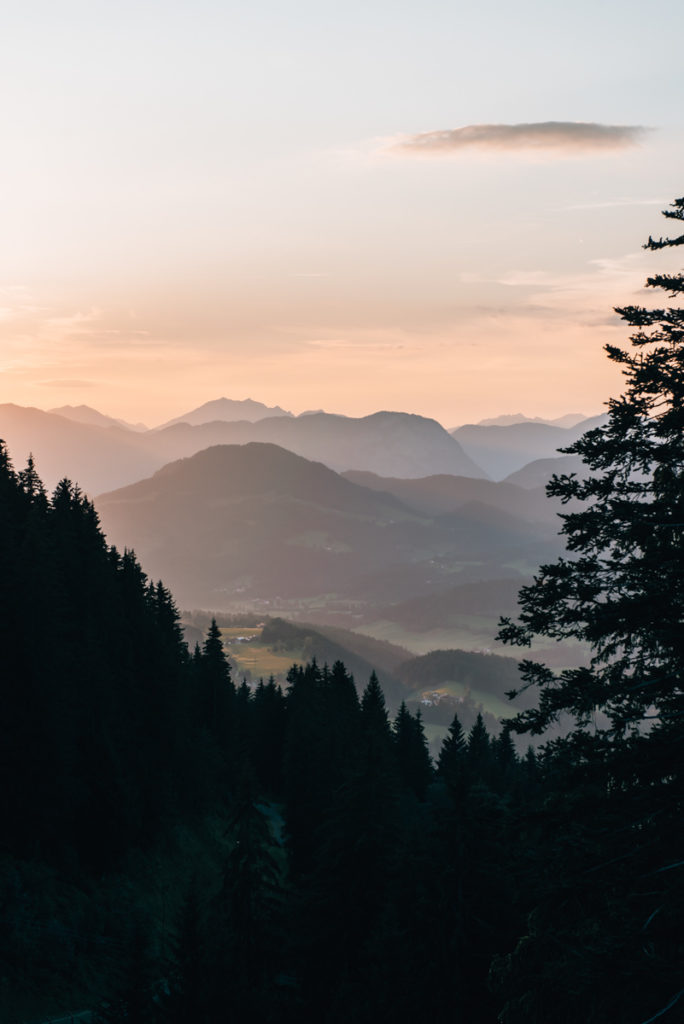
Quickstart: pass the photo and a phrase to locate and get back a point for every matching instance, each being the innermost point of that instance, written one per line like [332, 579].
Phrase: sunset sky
[430, 207]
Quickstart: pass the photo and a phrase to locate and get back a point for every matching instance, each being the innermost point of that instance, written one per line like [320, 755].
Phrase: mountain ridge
[104, 458]
[258, 523]
[227, 410]
[569, 419]
[93, 417]
[502, 450]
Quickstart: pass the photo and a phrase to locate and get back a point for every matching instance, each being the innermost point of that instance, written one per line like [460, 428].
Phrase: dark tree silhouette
[413, 757]
[613, 888]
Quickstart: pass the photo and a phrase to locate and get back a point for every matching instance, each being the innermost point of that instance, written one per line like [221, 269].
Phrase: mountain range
[443, 494]
[384, 522]
[96, 457]
[258, 525]
[570, 419]
[86, 414]
[389, 443]
[106, 456]
[103, 453]
[503, 450]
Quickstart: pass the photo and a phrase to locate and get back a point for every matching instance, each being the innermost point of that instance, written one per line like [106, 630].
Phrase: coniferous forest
[177, 846]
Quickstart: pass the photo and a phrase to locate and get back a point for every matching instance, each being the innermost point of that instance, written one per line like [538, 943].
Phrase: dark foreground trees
[172, 848]
[611, 847]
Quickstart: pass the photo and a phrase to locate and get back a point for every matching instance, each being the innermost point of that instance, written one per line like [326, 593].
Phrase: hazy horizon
[138, 421]
[371, 208]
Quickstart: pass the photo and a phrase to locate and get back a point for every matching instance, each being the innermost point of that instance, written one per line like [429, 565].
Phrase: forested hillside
[304, 840]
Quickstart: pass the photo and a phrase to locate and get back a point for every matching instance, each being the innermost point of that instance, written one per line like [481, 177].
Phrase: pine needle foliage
[611, 855]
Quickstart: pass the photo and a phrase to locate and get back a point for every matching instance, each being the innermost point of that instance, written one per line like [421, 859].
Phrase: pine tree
[376, 732]
[480, 759]
[505, 761]
[413, 757]
[623, 591]
[32, 485]
[218, 695]
[344, 690]
[615, 889]
[452, 762]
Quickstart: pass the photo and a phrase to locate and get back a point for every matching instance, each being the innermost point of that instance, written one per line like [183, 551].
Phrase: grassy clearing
[497, 706]
[261, 661]
[490, 702]
[252, 656]
[233, 632]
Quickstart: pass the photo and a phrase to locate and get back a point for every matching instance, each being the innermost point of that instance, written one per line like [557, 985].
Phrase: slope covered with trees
[300, 841]
[95, 694]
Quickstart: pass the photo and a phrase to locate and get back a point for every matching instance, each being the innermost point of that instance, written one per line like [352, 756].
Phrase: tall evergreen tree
[480, 757]
[615, 894]
[218, 698]
[376, 732]
[413, 757]
[452, 762]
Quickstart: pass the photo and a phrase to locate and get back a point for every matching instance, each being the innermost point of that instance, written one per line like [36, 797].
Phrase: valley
[439, 684]
[377, 539]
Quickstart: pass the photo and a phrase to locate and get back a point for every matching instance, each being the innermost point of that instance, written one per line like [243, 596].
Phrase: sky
[430, 207]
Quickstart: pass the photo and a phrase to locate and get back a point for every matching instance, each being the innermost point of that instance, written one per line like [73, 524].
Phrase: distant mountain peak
[230, 410]
[570, 419]
[257, 524]
[86, 414]
[501, 450]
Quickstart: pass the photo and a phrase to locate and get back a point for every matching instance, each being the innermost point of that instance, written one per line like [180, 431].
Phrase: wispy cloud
[560, 138]
[584, 297]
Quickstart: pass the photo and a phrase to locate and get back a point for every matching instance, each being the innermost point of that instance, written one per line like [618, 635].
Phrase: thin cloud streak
[560, 138]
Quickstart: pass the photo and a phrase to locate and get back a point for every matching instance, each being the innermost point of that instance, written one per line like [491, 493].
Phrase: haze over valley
[387, 524]
[258, 523]
[102, 452]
